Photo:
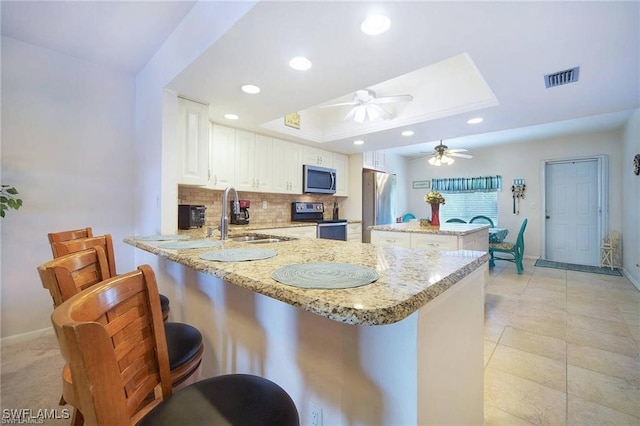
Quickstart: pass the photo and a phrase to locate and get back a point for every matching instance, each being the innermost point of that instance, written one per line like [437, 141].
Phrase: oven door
[332, 231]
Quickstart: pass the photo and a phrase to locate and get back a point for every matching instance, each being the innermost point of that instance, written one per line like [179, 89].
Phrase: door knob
[548, 217]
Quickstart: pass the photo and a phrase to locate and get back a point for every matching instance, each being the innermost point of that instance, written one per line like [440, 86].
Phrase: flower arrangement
[434, 197]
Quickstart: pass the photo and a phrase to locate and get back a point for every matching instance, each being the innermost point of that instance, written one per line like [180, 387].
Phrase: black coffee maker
[241, 217]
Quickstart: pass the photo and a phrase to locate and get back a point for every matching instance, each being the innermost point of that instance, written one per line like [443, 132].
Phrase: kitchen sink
[256, 239]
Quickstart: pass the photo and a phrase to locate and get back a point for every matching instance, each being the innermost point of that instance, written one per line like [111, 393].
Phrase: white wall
[523, 160]
[631, 201]
[67, 143]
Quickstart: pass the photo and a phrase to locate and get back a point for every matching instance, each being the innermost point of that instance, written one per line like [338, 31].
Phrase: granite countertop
[251, 227]
[443, 229]
[408, 278]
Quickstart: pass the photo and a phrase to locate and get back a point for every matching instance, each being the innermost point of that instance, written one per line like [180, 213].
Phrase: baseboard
[17, 338]
[631, 278]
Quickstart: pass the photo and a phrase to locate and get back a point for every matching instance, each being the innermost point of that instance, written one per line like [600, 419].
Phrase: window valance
[473, 184]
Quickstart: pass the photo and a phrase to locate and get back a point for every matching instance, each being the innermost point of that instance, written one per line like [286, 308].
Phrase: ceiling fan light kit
[443, 155]
[365, 106]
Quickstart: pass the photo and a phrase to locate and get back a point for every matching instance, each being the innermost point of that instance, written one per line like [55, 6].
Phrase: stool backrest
[113, 339]
[520, 239]
[57, 237]
[71, 246]
[67, 275]
[482, 219]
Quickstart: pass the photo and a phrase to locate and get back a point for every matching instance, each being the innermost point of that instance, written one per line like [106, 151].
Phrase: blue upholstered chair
[514, 249]
[482, 219]
[455, 220]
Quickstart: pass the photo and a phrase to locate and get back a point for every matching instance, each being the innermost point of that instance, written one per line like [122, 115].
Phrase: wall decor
[517, 189]
[421, 184]
[292, 120]
[636, 164]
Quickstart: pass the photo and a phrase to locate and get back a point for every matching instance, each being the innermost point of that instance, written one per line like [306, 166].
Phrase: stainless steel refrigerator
[378, 201]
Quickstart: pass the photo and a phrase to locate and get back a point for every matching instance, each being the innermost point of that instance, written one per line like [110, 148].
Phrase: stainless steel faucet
[224, 220]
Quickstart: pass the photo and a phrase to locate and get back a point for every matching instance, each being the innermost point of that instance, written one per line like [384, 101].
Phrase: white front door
[571, 212]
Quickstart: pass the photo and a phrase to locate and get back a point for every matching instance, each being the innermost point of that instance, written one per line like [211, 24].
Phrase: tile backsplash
[277, 211]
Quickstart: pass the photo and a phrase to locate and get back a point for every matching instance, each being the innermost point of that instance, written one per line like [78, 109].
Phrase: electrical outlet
[316, 415]
[264, 204]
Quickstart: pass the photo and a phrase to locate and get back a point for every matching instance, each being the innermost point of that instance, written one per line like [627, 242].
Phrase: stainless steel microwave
[318, 180]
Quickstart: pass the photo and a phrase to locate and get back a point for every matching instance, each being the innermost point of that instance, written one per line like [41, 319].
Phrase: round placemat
[239, 254]
[190, 244]
[161, 237]
[325, 275]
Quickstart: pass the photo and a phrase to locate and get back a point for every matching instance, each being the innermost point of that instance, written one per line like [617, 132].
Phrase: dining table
[497, 235]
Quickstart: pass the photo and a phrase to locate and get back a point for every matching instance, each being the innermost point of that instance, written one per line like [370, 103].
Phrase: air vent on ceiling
[562, 77]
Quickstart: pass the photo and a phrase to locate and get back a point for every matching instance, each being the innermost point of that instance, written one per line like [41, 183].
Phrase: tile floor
[561, 347]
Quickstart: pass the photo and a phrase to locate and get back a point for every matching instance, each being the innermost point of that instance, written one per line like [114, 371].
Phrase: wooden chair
[482, 219]
[455, 220]
[70, 274]
[58, 237]
[63, 247]
[515, 249]
[610, 251]
[112, 337]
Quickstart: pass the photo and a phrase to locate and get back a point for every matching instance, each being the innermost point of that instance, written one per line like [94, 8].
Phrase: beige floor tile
[535, 343]
[539, 324]
[545, 371]
[631, 318]
[506, 288]
[580, 307]
[635, 333]
[496, 417]
[607, 342]
[598, 324]
[535, 310]
[550, 305]
[493, 330]
[612, 392]
[554, 274]
[524, 399]
[581, 412]
[605, 362]
[489, 347]
[555, 284]
[544, 293]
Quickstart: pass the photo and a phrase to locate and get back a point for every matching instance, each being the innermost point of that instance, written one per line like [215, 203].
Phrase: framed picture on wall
[421, 184]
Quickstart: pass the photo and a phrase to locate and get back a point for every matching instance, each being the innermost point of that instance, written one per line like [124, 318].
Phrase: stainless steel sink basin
[255, 239]
[264, 241]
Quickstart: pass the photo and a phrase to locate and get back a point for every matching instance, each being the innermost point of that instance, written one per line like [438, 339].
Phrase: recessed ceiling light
[475, 120]
[358, 142]
[300, 63]
[407, 133]
[375, 24]
[231, 116]
[250, 88]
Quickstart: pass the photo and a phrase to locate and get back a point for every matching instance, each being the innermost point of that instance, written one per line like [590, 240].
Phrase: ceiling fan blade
[360, 114]
[454, 154]
[350, 114]
[374, 111]
[340, 104]
[392, 99]
[457, 150]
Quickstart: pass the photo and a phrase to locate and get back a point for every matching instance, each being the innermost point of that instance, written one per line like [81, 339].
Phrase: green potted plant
[8, 199]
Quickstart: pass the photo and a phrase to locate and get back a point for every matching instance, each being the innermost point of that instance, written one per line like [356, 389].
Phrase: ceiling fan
[444, 155]
[366, 106]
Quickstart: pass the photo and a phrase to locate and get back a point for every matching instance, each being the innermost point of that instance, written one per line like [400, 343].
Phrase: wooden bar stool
[62, 244]
[58, 237]
[70, 274]
[111, 336]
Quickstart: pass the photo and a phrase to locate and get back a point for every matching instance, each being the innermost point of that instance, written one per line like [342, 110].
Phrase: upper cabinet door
[374, 160]
[287, 167]
[317, 157]
[341, 164]
[222, 158]
[193, 141]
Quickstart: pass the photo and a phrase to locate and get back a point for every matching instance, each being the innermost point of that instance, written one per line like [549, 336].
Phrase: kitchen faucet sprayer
[224, 220]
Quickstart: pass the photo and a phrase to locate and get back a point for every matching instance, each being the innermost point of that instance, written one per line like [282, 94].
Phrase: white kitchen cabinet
[193, 141]
[434, 241]
[478, 240]
[222, 158]
[287, 167]
[317, 157]
[292, 231]
[354, 232]
[390, 238]
[253, 163]
[374, 160]
[341, 164]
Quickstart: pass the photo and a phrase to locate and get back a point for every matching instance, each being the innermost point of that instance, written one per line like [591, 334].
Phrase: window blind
[473, 184]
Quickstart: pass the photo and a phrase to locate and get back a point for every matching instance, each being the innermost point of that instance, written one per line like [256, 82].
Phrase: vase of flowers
[434, 198]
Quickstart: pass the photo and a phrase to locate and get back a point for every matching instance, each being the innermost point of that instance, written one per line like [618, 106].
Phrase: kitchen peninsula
[405, 349]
